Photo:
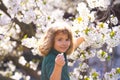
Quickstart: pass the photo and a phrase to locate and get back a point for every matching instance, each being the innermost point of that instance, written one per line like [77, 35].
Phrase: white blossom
[22, 61]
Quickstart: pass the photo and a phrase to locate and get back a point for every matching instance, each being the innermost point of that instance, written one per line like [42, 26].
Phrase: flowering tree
[23, 22]
[98, 23]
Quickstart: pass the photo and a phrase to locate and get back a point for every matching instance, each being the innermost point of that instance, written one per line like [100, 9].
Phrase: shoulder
[49, 57]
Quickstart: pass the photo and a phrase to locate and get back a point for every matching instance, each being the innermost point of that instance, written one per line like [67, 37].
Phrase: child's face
[62, 42]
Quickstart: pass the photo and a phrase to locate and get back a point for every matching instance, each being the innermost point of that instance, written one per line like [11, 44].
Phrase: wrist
[83, 39]
[58, 67]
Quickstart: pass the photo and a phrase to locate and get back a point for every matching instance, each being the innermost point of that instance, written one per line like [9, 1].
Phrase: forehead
[61, 34]
[64, 31]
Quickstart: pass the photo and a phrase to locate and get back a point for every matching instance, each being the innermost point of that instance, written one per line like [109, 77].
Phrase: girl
[58, 39]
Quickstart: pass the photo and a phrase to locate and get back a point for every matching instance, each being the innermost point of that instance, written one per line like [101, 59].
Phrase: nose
[64, 42]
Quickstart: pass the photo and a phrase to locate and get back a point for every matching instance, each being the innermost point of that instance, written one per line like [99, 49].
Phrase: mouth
[63, 48]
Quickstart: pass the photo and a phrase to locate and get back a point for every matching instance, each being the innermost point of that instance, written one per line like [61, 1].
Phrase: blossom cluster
[44, 12]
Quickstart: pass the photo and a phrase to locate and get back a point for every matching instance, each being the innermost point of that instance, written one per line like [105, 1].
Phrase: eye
[68, 39]
[59, 39]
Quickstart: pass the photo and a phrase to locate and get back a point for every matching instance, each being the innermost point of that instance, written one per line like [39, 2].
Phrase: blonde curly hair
[47, 42]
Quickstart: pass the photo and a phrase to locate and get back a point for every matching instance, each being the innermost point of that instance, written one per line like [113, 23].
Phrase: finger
[62, 54]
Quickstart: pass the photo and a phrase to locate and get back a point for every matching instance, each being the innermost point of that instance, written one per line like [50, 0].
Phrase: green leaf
[77, 31]
[49, 18]
[79, 19]
[112, 34]
[87, 78]
[103, 53]
[118, 70]
[25, 36]
[86, 31]
[94, 75]
[101, 25]
[44, 2]
[0, 14]
[108, 58]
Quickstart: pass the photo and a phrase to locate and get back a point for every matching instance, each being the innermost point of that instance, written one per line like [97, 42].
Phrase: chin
[63, 51]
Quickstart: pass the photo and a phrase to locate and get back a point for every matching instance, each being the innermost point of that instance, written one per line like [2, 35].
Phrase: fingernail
[62, 53]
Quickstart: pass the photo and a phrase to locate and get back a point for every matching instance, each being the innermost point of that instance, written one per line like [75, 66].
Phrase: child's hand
[60, 60]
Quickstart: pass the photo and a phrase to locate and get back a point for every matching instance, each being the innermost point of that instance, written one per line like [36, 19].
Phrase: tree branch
[26, 29]
[25, 69]
[4, 78]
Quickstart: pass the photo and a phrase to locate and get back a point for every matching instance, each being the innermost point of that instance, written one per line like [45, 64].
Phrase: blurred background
[23, 23]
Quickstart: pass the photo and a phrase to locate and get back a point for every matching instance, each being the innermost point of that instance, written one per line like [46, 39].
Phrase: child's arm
[78, 41]
[57, 71]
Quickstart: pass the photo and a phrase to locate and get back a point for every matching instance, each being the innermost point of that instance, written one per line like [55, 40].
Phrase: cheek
[56, 43]
[68, 43]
